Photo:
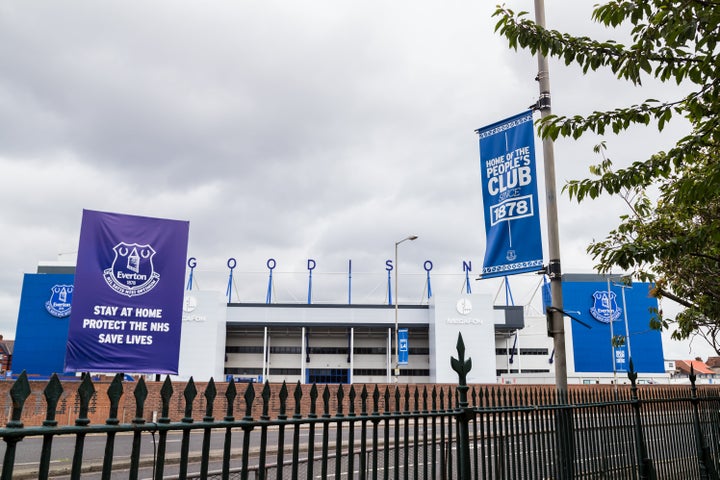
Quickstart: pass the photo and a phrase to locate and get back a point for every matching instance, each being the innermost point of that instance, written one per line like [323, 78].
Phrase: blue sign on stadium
[610, 314]
[42, 326]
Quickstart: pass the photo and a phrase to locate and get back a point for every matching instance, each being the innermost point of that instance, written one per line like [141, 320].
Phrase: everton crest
[132, 272]
[605, 309]
[60, 300]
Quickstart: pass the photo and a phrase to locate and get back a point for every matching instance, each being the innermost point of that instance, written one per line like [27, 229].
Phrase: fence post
[707, 469]
[53, 391]
[645, 465]
[464, 413]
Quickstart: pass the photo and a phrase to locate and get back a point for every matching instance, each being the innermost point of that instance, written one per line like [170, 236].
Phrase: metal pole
[627, 328]
[554, 271]
[303, 349]
[265, 367]
[388, 357]
[566, 452]
[397, 338]
[612, 336]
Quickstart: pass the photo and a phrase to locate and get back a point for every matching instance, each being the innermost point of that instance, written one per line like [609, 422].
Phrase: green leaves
[618, 341]
[672, 240]
[672, 40]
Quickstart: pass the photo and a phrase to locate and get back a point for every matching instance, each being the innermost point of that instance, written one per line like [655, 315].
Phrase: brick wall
[34, 411]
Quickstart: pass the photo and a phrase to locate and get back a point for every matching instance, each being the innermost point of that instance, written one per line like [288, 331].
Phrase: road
[29, 451]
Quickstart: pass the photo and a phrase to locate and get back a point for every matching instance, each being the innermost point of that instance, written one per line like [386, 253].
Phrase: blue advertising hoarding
[127, 305]
[510, 198]
[605, 311]
[42, 327]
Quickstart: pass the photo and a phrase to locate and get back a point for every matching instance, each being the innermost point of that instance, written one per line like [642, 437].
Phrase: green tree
[672, 238]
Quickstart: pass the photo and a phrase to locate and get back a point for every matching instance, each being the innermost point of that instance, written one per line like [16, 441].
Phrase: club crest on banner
[605, 308]
[60, 301]
[132, 272]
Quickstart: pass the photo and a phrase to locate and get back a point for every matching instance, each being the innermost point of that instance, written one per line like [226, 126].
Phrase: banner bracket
[553, 269]
[550, 310]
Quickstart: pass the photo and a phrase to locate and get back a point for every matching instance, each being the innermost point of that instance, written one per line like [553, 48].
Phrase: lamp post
[397, 338]
[625, 282]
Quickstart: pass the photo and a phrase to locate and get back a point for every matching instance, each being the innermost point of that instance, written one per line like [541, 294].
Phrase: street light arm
[411, 237]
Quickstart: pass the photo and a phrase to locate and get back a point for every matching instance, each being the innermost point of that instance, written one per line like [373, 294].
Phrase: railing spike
[141, 393]
[283, 395]
[313, 401]
[266, 401]
[18, 393]
[189, 393]
[114, 393]
[363, 400]
[230, 395]
[298, 398]
[249, 399]
[340, 395]
[210, 394]
[351, 401]
[376, 400]
[166, 392]
[326, 402]
[53, 391]
[692, 375]
[85, 392]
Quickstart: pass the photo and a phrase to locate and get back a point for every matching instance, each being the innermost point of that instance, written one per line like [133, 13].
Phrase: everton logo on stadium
[605, 308]
[132, 272]
[60, 300]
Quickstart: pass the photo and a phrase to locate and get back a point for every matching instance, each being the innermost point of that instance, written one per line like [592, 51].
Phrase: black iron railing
[374, 432]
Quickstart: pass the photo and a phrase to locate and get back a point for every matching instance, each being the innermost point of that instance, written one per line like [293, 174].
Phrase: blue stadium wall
[592, 347]
[40, 337]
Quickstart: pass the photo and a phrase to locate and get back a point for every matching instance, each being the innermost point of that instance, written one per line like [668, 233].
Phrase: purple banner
[127, 303]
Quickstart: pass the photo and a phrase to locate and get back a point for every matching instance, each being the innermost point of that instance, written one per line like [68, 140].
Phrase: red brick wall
[34, 410]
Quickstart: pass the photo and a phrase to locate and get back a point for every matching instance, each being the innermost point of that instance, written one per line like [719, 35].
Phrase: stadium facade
[345, 342]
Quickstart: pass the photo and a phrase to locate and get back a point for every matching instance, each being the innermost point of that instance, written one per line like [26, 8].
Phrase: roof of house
[698, 366]
[6, 346]
[713, 362]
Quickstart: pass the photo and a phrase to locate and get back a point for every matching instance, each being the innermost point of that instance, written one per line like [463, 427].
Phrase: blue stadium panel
[588, 301]
[43, 322]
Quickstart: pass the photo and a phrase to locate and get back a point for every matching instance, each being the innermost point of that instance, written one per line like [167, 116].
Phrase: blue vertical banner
[510, 198]
[128, 297]
[403, 349]
[621, 358]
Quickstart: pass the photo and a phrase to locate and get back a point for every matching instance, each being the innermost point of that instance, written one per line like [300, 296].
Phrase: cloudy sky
[327, 130]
